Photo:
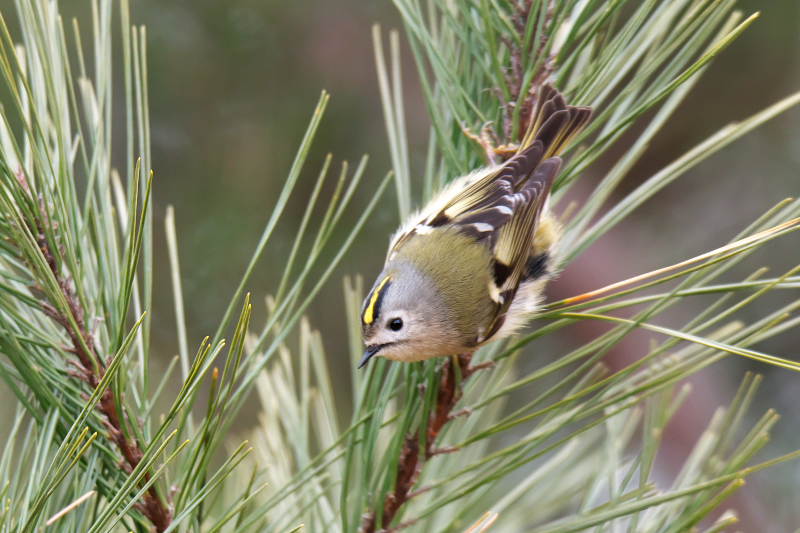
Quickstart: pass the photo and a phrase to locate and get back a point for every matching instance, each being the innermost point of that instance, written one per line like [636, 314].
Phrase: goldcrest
[470, 267]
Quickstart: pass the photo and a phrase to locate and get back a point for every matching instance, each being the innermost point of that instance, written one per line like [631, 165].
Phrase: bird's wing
[480, 202]
[480, 207]
[515, 238]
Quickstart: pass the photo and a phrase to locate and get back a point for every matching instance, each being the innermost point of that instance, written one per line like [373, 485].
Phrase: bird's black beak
[371, 350]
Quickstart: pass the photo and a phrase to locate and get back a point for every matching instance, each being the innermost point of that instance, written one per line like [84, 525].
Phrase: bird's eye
[396, 324]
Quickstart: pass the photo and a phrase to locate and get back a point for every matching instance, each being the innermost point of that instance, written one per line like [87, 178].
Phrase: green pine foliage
[432, 446]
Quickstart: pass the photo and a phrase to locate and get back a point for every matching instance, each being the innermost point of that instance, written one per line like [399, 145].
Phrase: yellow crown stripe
[368, 312]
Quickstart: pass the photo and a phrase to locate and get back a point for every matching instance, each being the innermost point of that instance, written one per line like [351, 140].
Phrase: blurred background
[232, 85]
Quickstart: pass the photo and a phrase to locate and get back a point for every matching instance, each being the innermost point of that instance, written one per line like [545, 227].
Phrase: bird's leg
[484, 141]
[481, 366]
[398, 527]
[492, 149]
[488, 145]
[433, 450]
[417, 492]
[466, 411]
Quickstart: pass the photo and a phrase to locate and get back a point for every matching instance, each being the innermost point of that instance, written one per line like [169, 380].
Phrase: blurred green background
[232, 86]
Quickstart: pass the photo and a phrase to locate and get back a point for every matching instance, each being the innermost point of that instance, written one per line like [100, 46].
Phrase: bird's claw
[487, 140]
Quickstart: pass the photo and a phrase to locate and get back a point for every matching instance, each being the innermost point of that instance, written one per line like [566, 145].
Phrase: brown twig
[528, 102]
[514, 77]
[410, 463]
[90, 370]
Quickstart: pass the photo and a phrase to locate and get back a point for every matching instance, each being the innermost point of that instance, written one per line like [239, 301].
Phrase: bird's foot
[487, 140]
[480, 366]
[434, 451]
[466, 411]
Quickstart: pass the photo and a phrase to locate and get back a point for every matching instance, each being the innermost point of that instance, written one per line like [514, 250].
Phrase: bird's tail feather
[554, 123]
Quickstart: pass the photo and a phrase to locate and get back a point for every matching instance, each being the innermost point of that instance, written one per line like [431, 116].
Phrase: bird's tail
[553, 122]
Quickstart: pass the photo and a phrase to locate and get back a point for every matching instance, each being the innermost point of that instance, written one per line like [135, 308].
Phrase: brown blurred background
[232, 87]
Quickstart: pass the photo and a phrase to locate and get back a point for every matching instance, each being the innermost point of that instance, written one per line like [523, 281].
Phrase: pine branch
[521, 84]
[523, 101]
[90, 369]
[409, 465]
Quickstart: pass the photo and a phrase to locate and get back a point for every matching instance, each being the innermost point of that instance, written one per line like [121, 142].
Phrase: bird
[470, 267]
